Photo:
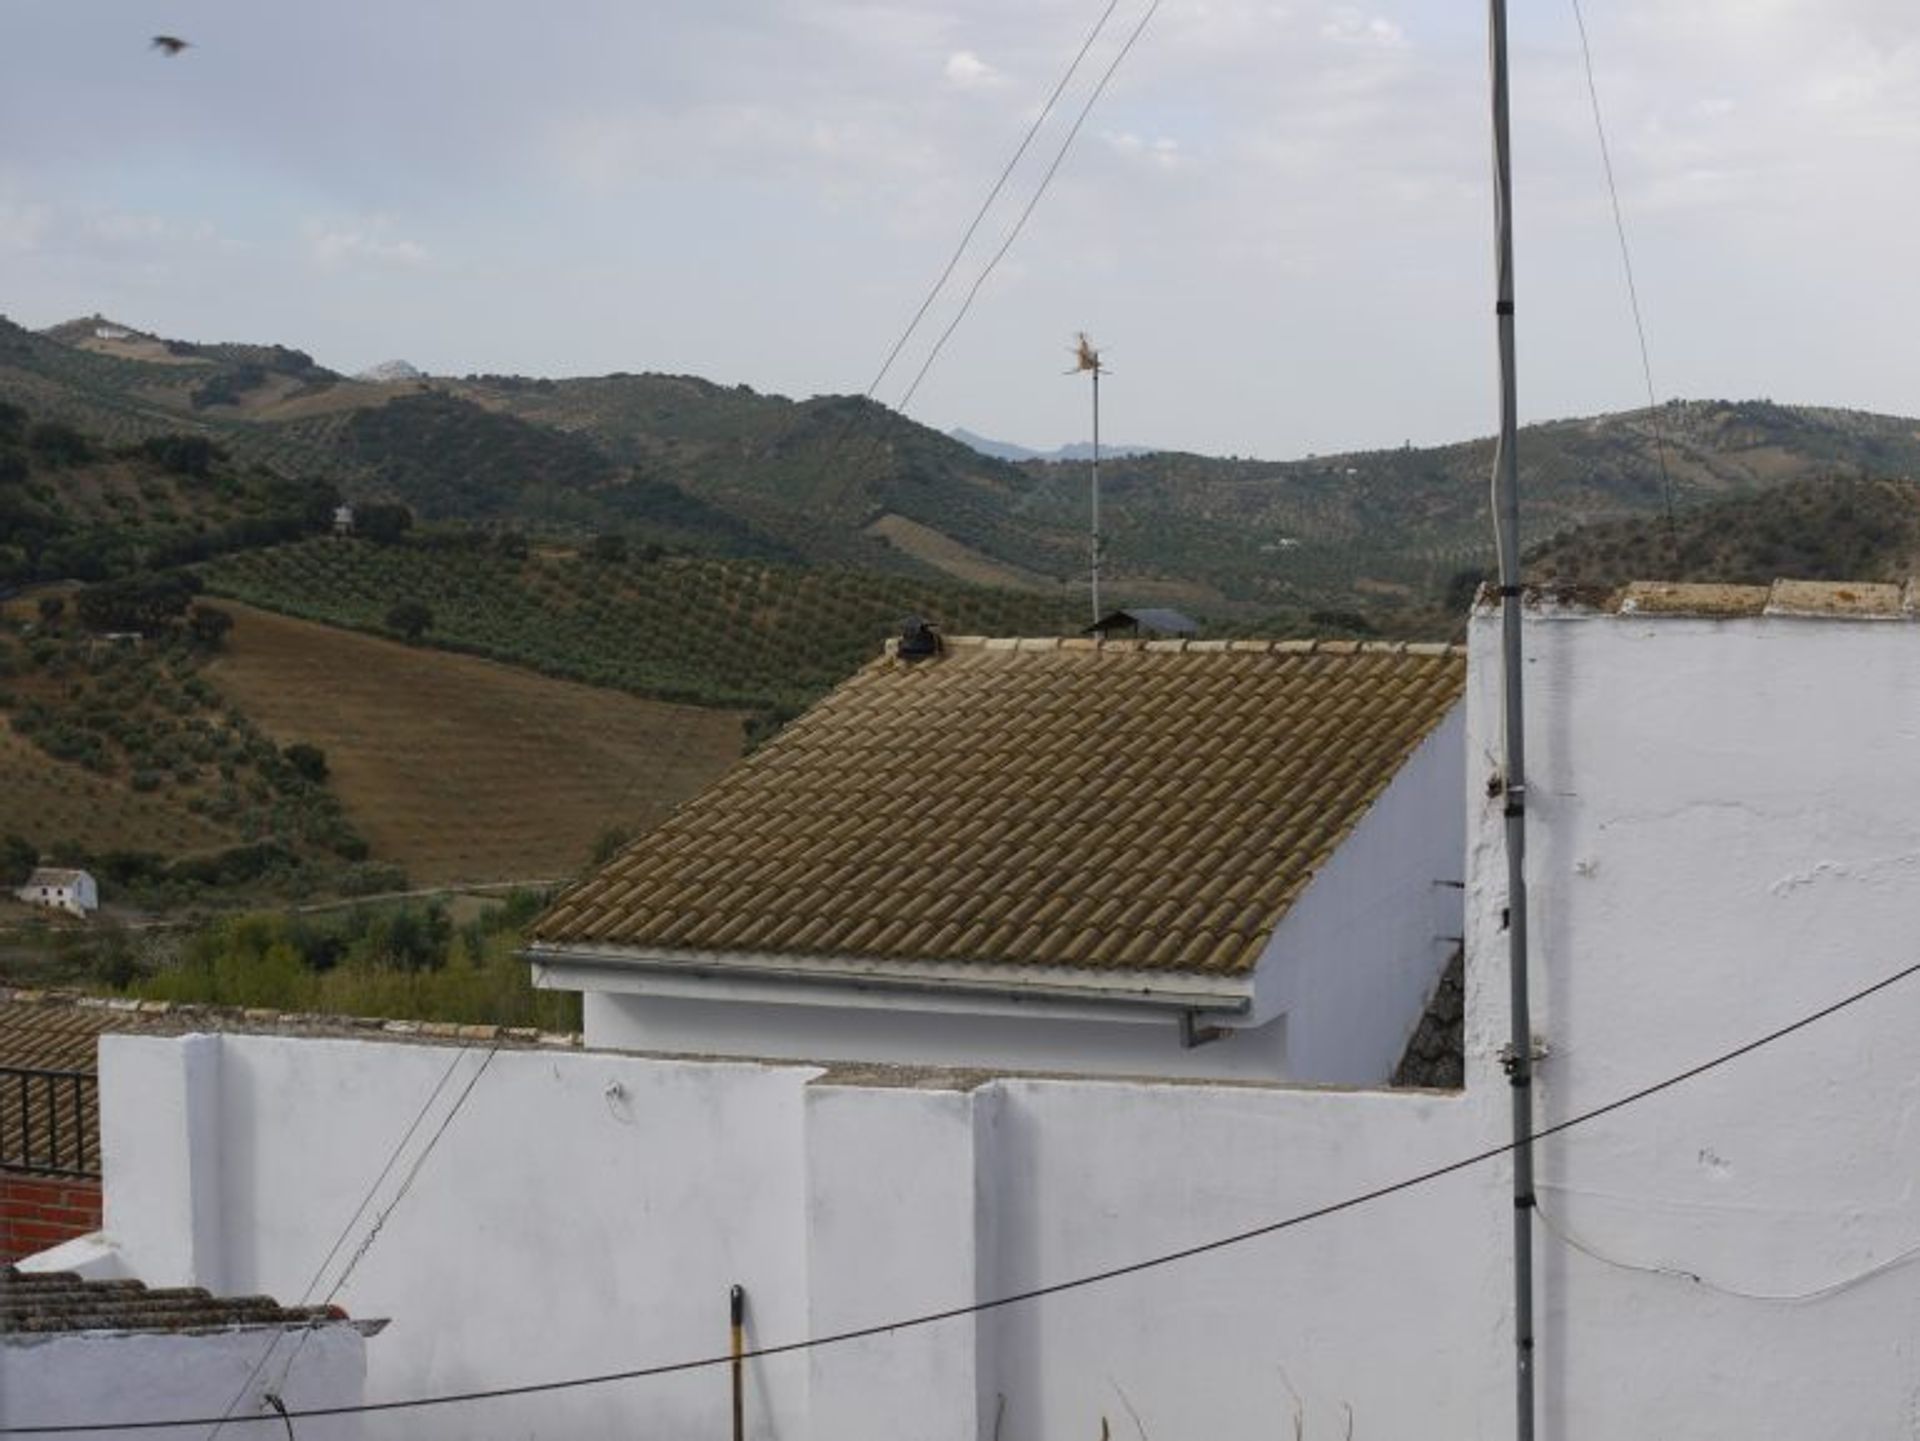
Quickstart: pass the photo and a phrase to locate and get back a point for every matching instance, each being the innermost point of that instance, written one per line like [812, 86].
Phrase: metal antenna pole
[1519, 1059]
[1096, 492]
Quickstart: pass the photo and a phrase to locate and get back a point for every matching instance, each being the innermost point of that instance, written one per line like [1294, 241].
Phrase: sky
[1275, 222]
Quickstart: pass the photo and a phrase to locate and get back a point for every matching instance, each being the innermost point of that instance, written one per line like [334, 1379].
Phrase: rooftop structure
[1093, 822]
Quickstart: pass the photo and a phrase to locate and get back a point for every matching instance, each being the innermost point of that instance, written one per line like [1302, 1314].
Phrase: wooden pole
[736, 1325]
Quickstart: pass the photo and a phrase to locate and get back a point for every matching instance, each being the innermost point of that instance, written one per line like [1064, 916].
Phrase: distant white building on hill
[61, 890]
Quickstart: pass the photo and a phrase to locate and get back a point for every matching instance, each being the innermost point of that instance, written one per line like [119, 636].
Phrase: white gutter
[1059, 991]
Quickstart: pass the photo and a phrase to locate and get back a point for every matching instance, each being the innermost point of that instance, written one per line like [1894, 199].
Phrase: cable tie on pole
[1509, 592]
[1503, 307]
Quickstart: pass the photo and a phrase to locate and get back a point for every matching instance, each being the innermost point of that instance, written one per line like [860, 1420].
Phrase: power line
[992, 195]
[1626, 264]
[319, 1271]
[1095, 1278]
[1020, 224]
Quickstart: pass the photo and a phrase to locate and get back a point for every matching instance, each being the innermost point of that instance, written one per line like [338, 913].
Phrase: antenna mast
[1506, 509]
[1086, 358]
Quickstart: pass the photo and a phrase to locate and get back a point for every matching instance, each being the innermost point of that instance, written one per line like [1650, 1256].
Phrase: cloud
[337, 247]
[23, 226]
[1349, 26]
[967, 71]
[1163, 151]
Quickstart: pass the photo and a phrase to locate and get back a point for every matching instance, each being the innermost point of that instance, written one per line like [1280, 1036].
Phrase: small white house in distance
[343, 519]
[1170, 857]
[61, 890]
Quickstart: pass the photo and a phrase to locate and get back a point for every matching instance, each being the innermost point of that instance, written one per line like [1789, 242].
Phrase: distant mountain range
[1007, 450]
[842, 481]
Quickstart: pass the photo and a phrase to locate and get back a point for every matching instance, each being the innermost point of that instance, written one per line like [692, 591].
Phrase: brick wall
[41, 1211]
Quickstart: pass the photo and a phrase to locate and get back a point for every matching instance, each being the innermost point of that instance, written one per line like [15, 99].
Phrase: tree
[183, 454]
[18, 857]
[309, 761]
[57, 443]
[210, 625]
[51, 608]
[410, 618]
[143, 602]
[383, 523]
[609, 549]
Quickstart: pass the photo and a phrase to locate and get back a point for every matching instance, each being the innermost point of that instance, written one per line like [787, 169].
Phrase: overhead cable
[1626, 265]
[1077, 1283]
[1034, 200]
[992, 195]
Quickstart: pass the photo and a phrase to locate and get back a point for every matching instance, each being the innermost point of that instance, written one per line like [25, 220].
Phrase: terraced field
[460, 769]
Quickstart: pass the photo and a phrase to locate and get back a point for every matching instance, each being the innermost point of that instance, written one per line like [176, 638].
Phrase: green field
[700, 630]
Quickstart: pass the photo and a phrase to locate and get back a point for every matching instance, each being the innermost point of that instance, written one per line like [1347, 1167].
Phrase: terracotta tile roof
[1115, 805]
[34, 1303]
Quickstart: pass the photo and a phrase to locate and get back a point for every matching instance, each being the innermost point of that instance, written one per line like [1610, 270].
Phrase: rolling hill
[841, 481]
[1837, 529]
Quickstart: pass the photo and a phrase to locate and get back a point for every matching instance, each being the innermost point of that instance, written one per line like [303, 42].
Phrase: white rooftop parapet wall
[1723, 835]
[587, 1213]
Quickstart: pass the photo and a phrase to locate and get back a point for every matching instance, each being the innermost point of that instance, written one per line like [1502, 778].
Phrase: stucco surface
[92, 1377]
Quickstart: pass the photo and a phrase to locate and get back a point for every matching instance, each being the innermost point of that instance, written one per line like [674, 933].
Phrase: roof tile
[1142, 804]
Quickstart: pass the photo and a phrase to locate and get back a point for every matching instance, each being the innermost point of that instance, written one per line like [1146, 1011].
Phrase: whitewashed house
[1170, 857]
[1724, 839]
[60, 889]
[343, 519]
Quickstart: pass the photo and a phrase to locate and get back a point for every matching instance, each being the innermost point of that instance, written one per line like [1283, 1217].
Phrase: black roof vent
[918, 640]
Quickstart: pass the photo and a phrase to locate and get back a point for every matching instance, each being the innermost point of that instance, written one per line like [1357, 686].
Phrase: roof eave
[833, 980]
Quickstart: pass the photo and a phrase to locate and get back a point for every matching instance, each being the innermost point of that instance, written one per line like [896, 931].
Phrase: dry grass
[461, 769]
[960, 561]
[61, 803]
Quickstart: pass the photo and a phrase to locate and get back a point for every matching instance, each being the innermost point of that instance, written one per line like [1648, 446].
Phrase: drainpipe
[1519, 1058]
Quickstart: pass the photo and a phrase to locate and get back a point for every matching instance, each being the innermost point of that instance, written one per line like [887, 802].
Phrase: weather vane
[1087, 359]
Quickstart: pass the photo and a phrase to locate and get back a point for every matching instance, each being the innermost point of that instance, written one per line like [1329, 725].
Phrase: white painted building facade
[1725, 836]
[58, 889]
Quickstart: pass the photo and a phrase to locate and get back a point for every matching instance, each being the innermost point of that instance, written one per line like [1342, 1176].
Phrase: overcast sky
[1275, 222]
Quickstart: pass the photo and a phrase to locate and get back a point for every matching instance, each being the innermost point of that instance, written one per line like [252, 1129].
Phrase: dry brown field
[955, 558]
[59, 803]
[460, 769]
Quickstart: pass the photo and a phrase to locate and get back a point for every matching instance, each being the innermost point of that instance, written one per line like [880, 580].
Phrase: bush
[209, 625]
[308, 761]
[56, 443]
[182, 454]
[410, 619]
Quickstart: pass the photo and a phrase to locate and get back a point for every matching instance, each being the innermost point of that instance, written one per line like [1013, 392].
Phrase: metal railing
[48, 1122]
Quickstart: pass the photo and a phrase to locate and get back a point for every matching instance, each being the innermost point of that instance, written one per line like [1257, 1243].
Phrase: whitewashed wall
[587, 1212]
[1725, 835]
[1726, 824]
[83, 1378]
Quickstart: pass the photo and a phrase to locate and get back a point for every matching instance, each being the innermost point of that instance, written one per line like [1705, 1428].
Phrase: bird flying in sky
[172, 44]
